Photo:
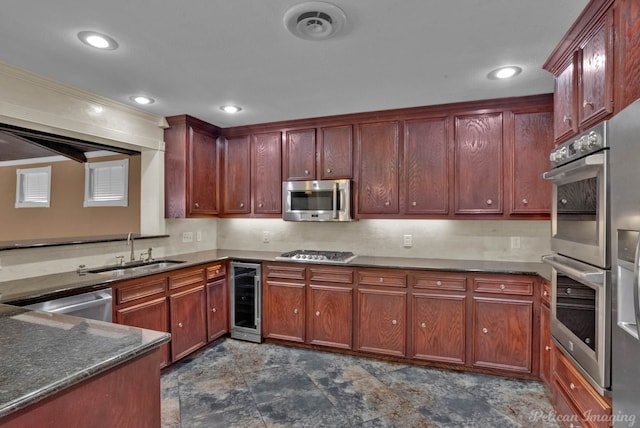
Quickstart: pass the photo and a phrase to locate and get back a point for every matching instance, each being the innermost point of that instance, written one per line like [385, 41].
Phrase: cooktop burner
[317, 256]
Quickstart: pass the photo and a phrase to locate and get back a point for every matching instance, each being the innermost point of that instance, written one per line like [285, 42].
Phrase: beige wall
[66, 216]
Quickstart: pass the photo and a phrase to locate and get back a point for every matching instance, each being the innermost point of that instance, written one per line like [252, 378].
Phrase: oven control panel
[589, 142]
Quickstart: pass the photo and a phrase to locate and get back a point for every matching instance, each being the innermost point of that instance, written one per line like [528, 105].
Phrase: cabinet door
[266, 175]
[503, 334]
[336, 152]
[426, 166]
[438, 325]
[284, 311]
[330, 316]
[300, 151]
[565, 120]
[545, 344]
[382, 325]
[597, 78]
[153, 315]
[237, 175]
[217, 309]
[532, 143]
[378, 151]
[188, 321]
[478, 164]
[203, 173]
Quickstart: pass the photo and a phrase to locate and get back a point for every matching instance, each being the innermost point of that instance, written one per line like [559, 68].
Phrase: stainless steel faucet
[130, 242]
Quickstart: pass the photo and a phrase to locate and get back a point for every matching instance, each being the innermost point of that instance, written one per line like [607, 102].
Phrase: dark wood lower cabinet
[188, 321]
[284, 310]
[438, 325]
[503, 334]
[545, 344]
[382, 321]
[217, 314]
[330, 316]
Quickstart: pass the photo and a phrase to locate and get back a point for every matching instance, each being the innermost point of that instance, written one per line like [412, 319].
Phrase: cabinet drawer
[186, 278]
[567, 414]
[522, 287]
[439, 281]
[341, 276]
[216, 270]
[581, 394]
[386, 278]
[140, 290]
[285, 272]
[545, 294]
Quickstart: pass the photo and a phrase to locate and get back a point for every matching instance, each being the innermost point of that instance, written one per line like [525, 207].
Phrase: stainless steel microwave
[318, 200]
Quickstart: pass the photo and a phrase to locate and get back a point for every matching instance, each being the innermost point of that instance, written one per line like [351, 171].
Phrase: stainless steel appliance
[625, 247]
[317, 256]
[95, 305]
[246, 301]
[580, 238]
[319, 200]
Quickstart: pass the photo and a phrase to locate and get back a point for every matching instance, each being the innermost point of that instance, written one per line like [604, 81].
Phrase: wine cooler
[246, 301]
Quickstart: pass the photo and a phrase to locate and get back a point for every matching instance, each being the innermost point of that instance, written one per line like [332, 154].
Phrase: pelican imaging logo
[619, 418]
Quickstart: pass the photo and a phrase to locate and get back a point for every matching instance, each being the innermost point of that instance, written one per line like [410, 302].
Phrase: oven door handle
[595, 160]
[579, 271]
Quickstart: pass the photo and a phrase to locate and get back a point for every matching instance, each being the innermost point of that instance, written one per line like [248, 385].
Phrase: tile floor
[233, 383]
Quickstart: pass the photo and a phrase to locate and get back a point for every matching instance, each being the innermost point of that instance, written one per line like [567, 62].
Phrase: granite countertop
[29, 290]
[44, 353]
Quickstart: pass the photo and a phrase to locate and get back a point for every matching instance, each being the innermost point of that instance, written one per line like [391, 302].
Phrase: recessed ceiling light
[141, 99]
[230, 109]
[504, 72]
[97, 40]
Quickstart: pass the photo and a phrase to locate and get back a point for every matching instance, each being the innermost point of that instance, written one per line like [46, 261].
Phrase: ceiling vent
[314, 20]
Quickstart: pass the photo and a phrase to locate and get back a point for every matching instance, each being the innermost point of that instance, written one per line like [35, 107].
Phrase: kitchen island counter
[28, 290]
[44, 354]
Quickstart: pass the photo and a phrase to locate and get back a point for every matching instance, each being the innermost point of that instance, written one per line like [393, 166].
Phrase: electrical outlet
[407, 241]
[266, 237]
[515, 242]
[187, 236]
[199, 236]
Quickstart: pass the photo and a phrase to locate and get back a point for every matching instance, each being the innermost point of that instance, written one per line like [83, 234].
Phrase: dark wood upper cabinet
[265, 177]
[565, 101]
[300, 155]
[626, 53]
[426, 166]
[378, 175]
[335, 152]
[191, 168]
[532, 143]
[478, 164]
[237, 175]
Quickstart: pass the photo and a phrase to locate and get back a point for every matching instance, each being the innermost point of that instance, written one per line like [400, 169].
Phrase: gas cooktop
[316, 256]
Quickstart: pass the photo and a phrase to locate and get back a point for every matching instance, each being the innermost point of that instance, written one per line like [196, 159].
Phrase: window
[106, 184]
[33, 187]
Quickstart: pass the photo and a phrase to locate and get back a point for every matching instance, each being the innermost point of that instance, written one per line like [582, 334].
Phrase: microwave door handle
[636, 285]
[335, 200]
[561, 172]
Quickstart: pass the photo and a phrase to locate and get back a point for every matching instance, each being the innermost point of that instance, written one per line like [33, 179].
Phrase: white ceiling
[194, 55]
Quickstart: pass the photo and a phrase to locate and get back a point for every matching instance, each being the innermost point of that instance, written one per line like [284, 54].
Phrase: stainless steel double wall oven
[581, 277]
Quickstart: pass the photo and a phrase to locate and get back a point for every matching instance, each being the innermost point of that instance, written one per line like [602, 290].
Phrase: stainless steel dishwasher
[95, 305]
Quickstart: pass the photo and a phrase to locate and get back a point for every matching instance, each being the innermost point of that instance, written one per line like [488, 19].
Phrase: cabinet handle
[217, 271]
[525, 201]
[568, 290]
[318, 313]
[197, 205]
[423, 325]
[387, 203]
[214, 310]
[563, 201]
[502, 287]
[414, 203]
[394, 322]
[566, 119]
[241, 204]
[329, 170]
[485, 331]
[547, 348]
[489, 202]
[295, 311]
[306, 171]
[380, 279]
[259, 205]
[572, 386]
[587, 102]
[438, 283]
[545, 293]
[180, 324]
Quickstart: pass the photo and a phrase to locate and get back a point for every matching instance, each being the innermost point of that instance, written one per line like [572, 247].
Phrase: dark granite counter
[44, 353]
[28, 290]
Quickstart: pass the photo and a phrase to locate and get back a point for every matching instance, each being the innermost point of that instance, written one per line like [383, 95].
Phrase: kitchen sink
[137, 267]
